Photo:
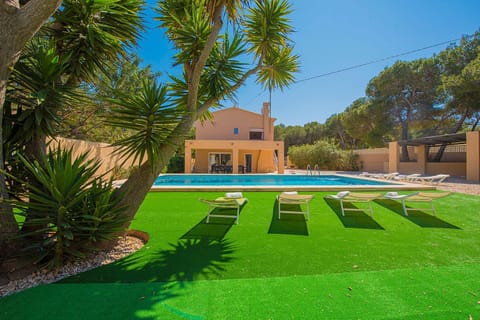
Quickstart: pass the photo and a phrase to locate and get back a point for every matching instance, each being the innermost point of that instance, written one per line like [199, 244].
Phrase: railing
[311, 172]
[275, 161]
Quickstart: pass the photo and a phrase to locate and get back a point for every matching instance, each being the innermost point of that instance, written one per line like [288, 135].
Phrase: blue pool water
[197, 180]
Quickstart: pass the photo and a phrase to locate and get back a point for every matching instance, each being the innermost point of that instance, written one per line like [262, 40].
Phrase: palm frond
[267, 26]
[279, 69]
[151, 118]
[95, 31]
[36, 91]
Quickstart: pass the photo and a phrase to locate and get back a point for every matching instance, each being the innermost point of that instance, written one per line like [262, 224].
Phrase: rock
[4, 279]
[21, 279]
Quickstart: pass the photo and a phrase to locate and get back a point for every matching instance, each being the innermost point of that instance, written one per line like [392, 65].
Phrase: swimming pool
[259, 180]
[266, 182]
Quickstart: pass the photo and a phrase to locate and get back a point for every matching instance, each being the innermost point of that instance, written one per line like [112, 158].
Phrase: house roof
[455, 138]
[240, 109]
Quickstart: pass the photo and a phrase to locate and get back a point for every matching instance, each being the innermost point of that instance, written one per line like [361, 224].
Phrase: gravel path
[124, 247]
[460, 185]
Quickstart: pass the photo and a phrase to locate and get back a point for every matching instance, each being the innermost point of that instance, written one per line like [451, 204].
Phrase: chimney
[267, 124]
[266, 109]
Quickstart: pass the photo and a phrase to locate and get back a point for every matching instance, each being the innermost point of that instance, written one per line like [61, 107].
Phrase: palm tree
[75, 46]
[18, 23]
[210, 55]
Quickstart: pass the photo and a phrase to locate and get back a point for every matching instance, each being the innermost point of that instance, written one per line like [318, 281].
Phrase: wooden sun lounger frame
[224, 203]
[298, 199]
[356, 198]
[418, 197]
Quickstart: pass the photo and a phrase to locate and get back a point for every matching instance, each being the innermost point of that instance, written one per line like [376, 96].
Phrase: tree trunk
[135, 189]
[405, 157]
[8, 224]
[438, 156]
[17, 25]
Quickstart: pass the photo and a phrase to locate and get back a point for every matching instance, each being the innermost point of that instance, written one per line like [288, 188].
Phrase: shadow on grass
[420, 218]
[289, 223]
[353, 219]
[141, 285]
[216, 229]
[184, 261]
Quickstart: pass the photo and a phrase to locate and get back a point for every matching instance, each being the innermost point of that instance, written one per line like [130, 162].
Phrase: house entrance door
[248, 163]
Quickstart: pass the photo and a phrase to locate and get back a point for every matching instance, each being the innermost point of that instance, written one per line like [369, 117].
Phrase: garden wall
[373, 160]
[96, 150]
[453, 161]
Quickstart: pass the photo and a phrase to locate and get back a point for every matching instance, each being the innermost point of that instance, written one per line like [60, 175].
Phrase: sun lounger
[230, 201]
[436, 179]
[416, 197]
[386, 176]
[390, 176]
[293, 198]
[365, 174]
[407, 177]
[347, 196]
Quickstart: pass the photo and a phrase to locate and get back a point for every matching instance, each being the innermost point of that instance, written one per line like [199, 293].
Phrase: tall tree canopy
[408, 90]
[367, 123]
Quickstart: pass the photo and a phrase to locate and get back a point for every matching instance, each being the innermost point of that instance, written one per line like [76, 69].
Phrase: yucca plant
[69, 209]
[219, 45]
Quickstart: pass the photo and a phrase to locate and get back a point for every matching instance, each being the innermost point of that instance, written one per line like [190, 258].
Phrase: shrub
[324, 153]
[69, 210]
[176, 165]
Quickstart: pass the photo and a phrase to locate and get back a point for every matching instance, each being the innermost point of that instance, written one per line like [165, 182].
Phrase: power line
[367, 63]
[379, 60]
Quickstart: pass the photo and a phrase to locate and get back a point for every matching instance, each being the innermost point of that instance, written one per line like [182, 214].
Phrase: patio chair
[230, 201]
[417, 197]
[436, 179]
[293, 198]
[349, 197]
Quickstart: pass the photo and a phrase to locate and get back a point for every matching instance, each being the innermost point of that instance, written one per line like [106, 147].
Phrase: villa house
[235, 141]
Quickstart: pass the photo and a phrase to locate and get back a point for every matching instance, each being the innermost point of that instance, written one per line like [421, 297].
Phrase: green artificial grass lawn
[330, 267]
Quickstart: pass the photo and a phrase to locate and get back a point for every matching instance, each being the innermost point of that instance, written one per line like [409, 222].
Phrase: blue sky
[333, 35]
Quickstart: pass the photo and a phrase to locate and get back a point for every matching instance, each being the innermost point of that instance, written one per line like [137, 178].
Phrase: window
[256, 135]
[235, 131]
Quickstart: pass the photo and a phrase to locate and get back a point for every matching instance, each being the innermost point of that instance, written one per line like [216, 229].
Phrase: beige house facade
[235, 141]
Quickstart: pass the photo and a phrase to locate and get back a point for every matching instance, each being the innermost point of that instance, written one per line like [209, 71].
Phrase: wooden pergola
[470, 139]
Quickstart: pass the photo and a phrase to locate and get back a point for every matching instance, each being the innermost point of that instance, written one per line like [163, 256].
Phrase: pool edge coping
[397, 186]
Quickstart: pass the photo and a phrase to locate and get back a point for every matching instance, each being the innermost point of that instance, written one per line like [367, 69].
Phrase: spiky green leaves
[268, 27]
[268, 30]
[95, 31]
[151, 118]
[188, 26]
[224, 68]
[279, 68]
[69, 208]
[36, 92]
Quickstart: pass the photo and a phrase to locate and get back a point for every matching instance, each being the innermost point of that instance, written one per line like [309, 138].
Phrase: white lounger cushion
[233, 195]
